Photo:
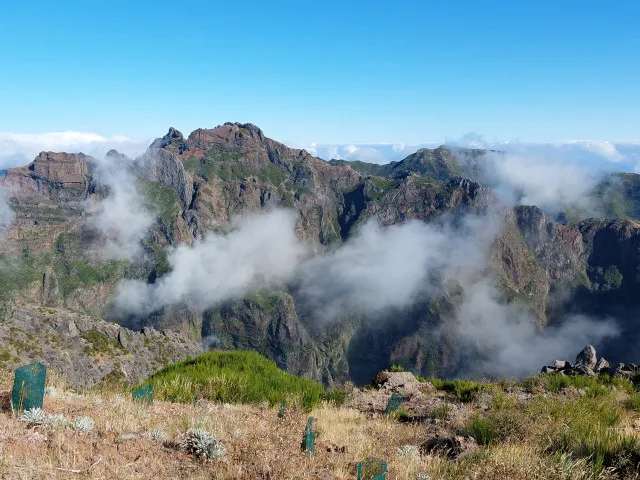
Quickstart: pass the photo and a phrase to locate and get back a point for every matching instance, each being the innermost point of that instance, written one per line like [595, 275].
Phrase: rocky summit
[57, 285]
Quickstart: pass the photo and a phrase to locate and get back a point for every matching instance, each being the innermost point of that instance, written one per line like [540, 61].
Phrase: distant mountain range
[423, 262]
[602, 155]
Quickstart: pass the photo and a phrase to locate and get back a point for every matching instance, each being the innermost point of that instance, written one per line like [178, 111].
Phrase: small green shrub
[397, 368]
[481, 430]
[82, 425]
[633, 402]
[441, 412]
[33, 417]
[337, 396]
[401, 415]
[500, 425]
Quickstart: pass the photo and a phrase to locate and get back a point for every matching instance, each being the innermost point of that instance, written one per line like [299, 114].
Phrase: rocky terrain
[53, 260]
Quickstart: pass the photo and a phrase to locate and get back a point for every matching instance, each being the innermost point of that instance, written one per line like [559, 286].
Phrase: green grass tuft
[239, 376]
[464, 390]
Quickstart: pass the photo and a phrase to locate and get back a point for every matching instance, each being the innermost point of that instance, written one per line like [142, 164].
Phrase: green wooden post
[28, 387]
[394, 403]
[372, 469]
[144, 395]
[308, 439]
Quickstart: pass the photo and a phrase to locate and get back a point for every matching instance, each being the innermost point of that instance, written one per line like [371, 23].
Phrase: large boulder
[401, 383]
[587, 358]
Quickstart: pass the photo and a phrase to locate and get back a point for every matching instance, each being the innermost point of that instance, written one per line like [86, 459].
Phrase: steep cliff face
[50, 255]
[48, 198]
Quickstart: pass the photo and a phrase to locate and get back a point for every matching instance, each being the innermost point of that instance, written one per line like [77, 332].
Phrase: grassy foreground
[546, 427]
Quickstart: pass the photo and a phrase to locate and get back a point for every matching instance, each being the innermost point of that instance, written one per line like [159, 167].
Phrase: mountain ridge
[199, 184]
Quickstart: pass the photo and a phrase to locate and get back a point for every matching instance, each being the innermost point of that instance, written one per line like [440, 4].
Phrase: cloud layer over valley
[17, 149]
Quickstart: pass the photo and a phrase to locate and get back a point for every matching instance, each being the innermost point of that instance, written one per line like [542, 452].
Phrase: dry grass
[261, 446]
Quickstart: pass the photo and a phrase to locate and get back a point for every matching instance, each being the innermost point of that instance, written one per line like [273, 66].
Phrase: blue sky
[326, 72]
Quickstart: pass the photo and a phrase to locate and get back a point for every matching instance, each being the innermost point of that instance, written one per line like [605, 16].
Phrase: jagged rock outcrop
[267, 322]
[587, 363]
[587, 358]
[164, 167]
[48, 198]
[417, 397]
[64, 169]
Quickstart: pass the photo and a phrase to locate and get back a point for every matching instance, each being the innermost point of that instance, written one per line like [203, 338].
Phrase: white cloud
[122, 217]
[604, 149]
[17, 149]
[503, 340]
[261, 250]
[6, 212]
[390, 268]
[350, 149]
[373, 153]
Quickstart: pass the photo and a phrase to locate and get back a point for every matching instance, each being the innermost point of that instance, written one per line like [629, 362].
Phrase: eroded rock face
[67, 170]
[86, 350]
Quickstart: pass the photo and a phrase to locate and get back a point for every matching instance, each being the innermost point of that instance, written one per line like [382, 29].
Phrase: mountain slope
[53, 257]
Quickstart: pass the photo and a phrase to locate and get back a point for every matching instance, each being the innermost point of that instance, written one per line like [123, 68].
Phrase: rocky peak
[69, 170]
[253, 130]
[172, 138]
[174, 134]
[115, 155]
[235, 136]
[587, 357]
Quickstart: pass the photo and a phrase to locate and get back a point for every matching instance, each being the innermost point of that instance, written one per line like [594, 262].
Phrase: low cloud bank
[393, 267]
[7, 214]
[501, 340]
[122, 217]
[259, 251]
[379, 270]
[17, 149]
[529, 180]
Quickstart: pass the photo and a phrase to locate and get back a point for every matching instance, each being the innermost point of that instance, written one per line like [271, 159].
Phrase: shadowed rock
[452, 447]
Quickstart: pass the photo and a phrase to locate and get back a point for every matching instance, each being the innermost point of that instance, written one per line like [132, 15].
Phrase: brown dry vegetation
[525, 431]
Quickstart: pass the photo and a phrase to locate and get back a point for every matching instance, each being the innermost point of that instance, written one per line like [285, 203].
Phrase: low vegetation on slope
[546, 427]
[233, 377]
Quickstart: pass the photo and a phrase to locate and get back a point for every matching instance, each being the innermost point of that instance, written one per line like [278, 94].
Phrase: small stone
[73, 329]
[581, 370]
[561, 364]
[602, 365]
